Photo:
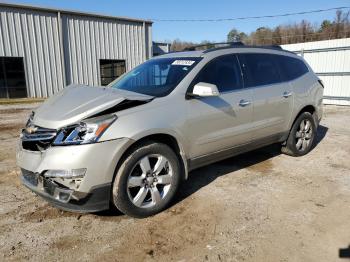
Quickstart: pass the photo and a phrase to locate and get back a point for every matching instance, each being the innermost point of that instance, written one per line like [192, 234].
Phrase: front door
[218, 123]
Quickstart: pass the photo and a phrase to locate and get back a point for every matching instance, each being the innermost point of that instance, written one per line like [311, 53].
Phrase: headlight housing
[86, 132]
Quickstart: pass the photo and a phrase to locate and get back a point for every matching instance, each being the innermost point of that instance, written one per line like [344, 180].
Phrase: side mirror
[202, 89]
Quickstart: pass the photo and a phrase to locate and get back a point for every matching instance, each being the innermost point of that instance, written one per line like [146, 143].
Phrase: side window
[292, 68]
[259, 69]
[224, 72]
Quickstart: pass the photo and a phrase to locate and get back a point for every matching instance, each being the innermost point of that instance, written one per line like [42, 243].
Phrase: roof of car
[214, 48]
[214, 51]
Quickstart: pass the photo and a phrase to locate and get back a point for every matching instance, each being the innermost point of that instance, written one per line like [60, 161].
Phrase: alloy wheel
[150, 181]
[303, 135]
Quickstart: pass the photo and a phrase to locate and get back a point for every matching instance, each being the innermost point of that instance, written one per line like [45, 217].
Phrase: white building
[330, 59]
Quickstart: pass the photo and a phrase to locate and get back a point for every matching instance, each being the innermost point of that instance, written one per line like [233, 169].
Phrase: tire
[301, 136]
[146, 180]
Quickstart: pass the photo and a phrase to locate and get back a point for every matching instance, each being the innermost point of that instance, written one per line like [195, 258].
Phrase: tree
[234, 35]
[277, 36]
[303, 31]
[178, 45]
[325, 25]
[242, 36]
[262, 36]
[341, 22]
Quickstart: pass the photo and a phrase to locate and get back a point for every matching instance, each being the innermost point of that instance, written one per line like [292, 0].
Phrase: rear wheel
[147, 180]
[301, 136]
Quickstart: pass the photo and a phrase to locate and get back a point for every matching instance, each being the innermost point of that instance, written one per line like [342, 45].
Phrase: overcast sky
[201, 9]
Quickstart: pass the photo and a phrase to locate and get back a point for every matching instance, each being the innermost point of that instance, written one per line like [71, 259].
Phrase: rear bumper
[67, 199]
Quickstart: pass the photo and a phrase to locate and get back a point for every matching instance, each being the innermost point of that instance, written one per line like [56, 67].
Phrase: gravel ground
[260, 206]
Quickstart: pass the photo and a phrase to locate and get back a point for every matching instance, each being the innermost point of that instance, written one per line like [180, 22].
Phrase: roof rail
[272, 46]
[212, 46]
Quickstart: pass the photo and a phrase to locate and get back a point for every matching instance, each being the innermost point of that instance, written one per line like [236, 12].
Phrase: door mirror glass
[202, 89]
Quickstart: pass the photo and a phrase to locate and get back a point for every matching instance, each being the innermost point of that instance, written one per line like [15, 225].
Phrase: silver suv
[130, 144]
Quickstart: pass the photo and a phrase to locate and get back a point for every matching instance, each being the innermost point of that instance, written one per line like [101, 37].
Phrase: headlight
[88, 131]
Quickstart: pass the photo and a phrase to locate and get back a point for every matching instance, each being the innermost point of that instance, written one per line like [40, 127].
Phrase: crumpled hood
[77, 102]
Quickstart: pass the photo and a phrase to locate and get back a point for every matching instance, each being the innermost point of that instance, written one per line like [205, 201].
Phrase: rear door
[272, 96]
[225, 121]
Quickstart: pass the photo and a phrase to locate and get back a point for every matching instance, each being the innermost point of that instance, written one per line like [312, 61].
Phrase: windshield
[156, 77]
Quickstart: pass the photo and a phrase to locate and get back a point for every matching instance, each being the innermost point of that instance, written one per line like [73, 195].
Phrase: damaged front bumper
[87, 193]
[64, 198]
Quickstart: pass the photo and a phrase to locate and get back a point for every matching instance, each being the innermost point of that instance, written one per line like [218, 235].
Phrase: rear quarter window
[290, 67]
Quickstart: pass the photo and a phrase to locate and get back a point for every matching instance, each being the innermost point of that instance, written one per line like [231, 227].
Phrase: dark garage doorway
[12, 78]
[110, 70]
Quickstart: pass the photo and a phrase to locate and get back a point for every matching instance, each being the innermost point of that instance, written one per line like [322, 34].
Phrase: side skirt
[204, 160]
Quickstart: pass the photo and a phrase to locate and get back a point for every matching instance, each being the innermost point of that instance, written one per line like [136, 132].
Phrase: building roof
[71, 12]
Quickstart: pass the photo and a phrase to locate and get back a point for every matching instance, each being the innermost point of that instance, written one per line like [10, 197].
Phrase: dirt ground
[260, 206]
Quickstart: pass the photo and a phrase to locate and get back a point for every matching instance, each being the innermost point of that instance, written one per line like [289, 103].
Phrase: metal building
[43, 49]
[160, 48]
[330, 59]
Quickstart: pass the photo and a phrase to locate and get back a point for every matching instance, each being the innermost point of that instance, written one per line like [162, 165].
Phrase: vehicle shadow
[321, 133]
[203, 176]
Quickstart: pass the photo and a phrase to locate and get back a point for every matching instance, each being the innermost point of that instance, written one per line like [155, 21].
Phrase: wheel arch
[288, 146]
[307, 108]
[165, 138]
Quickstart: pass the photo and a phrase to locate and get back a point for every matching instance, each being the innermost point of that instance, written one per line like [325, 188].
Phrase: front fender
[169, 132]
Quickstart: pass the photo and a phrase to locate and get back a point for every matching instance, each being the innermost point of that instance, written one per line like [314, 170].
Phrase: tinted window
[156, 77]
[260, 69]
[224, 72]
[291, 68]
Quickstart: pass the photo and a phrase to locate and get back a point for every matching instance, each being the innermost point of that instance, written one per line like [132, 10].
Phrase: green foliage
[325, 25]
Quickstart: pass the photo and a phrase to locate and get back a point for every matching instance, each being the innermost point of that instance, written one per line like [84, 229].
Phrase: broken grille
[37, 138]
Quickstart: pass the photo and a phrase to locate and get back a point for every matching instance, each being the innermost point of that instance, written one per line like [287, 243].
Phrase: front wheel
[301, 136]
[147, 180]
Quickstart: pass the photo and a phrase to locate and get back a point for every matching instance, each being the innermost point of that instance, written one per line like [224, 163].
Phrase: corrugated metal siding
[88, 40]
[148, 35]
[33, 35]
[63, 48]
[329, 59]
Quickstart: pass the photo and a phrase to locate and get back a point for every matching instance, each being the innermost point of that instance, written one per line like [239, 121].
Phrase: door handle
[286, 94]
[244, 103]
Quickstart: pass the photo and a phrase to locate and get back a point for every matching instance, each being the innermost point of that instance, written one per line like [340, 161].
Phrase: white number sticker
[183, 62]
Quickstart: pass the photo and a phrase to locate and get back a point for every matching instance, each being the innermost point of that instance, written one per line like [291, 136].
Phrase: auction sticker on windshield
[183, 62]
